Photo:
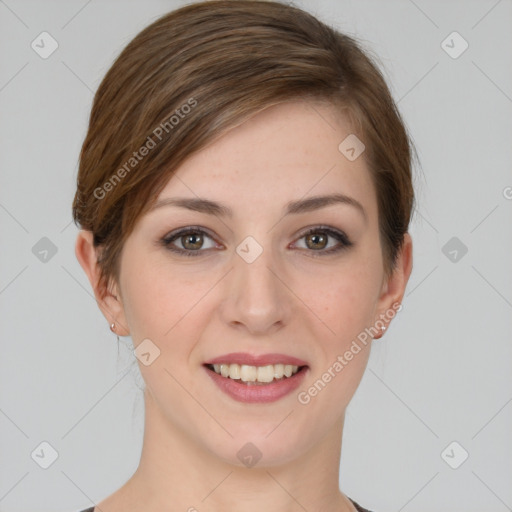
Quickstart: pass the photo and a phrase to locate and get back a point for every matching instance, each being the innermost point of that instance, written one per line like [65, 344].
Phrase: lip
[256, 360]
[257, 393]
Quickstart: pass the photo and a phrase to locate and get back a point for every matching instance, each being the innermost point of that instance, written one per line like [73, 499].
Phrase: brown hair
[206, 67]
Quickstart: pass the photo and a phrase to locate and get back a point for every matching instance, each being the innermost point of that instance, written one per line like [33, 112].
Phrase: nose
[257, 298]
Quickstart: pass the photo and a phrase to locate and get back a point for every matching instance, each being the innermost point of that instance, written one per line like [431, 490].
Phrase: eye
[190, 241]
[317, 239]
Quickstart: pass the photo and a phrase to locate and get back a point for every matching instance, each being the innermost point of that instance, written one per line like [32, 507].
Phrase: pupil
[196, 244]
[316, 238]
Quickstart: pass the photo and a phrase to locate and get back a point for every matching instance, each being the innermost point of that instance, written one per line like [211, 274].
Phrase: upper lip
[256, 360]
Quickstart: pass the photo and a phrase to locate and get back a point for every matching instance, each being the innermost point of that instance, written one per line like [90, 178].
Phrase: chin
[255, 449]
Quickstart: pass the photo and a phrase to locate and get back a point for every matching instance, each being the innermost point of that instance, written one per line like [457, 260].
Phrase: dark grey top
[358, 507]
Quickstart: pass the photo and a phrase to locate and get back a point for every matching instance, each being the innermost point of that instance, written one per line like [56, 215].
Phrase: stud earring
[113, 329]
[383, 328]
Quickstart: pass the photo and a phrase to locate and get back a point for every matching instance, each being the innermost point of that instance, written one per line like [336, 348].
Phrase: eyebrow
[293, 207]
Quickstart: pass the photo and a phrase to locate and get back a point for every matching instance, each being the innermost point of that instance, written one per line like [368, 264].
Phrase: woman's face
[256, 283]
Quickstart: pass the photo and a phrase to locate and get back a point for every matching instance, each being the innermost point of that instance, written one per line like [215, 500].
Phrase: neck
[177, 473]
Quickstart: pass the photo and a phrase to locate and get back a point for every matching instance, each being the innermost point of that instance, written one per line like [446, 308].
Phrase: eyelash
[338, 235]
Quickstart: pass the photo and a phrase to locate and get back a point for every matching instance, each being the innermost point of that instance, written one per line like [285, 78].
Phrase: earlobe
[108, 301]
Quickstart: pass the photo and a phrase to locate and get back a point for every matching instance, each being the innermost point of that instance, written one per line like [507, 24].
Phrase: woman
[244, 195]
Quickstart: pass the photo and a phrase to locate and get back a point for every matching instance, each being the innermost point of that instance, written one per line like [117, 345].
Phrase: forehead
[286, 152]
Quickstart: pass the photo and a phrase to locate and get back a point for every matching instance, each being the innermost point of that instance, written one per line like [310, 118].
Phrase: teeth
[265, 373]
[247, 373]
[278, 370]
[234, 371]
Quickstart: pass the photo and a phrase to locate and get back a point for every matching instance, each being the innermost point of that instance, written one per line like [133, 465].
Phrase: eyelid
[170, 237]
[343, 240]
[322, 227]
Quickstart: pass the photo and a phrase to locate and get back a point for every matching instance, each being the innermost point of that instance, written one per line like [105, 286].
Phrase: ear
[393, 288]
[109, 300]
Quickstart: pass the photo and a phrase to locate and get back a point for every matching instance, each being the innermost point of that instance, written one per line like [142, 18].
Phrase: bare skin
[291, 300]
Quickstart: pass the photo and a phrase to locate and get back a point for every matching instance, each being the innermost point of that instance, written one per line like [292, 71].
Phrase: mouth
[256, 375]
[256, 384]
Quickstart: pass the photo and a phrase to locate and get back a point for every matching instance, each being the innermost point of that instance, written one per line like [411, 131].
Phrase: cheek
[164, 306]
[346, 303]
[346, 308]
[160, 301]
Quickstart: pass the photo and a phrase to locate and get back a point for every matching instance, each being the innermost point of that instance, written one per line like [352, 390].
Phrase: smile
[252, 378]
[255, 374]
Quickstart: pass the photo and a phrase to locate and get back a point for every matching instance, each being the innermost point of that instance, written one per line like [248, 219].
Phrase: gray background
[442, 372]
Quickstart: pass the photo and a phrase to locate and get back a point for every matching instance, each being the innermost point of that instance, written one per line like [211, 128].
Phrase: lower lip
[257, 393]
